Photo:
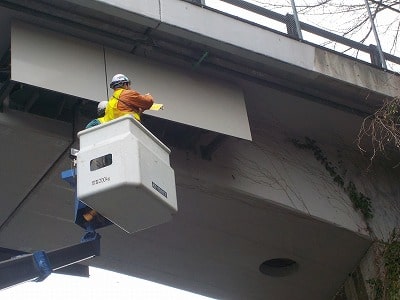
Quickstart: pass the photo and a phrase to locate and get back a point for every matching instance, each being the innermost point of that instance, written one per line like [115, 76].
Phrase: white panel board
[57, 62]
[68, 65]
[189, 98]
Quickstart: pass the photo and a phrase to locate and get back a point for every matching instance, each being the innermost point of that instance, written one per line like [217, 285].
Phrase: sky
[386, 23]
[101, 285]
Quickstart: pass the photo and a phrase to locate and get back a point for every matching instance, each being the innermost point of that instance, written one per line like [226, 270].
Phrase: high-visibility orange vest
[112, 111]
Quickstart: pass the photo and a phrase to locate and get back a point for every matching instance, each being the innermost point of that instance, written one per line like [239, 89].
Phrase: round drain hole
[279, 267]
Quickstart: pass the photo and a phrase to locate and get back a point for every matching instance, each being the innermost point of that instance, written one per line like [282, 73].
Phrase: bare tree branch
[349, 18]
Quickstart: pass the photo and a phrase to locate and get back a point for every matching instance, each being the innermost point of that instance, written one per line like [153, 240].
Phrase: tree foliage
[351, 20]
[382, 128]
[347, 18]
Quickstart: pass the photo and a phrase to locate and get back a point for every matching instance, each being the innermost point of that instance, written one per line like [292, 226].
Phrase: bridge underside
[214, 245]
[229, 222]
[240, 202]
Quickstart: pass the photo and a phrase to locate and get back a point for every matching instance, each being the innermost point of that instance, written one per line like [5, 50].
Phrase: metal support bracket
[43, 264]
[207, 151]
[81, 208]
[5, 91]
[39, 265]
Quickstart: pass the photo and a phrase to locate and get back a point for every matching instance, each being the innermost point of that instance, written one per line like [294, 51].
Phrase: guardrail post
[296, 20]
[199, 2]
[378, 47]
[375, 56]
[291, 27]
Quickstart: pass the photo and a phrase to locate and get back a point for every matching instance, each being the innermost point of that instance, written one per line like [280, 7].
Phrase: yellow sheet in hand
[157, 106]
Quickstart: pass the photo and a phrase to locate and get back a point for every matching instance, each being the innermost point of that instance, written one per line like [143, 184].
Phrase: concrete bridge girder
[252, 201]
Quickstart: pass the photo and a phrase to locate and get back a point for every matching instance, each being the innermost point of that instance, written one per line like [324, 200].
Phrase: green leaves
[377, 286]
[391, 259]
[388, 286]
[359, 200]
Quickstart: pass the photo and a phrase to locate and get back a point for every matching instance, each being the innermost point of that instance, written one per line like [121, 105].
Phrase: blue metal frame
[43, 265]
[39, 265]
[81, 208]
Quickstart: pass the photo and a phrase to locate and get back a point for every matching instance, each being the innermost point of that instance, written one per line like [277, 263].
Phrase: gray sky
[331, 19]
[102, 285]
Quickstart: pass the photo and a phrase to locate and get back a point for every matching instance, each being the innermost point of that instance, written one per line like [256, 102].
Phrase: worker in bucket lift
[125, 100]
[101, 109]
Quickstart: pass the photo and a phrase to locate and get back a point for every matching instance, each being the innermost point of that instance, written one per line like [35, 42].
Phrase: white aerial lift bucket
[123, 173]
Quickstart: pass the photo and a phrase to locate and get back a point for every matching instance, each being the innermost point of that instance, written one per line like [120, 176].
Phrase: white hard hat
[101, 108]
[119, 80]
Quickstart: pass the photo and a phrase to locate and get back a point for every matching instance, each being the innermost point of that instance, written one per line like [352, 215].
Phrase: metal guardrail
[293, 31]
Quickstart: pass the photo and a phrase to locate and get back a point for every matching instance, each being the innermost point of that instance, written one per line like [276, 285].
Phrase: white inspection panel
[123, 173]
[57, 62]
[189, 98]
[62, 63]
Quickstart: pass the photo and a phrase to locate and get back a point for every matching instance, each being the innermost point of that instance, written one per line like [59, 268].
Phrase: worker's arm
[132, 100]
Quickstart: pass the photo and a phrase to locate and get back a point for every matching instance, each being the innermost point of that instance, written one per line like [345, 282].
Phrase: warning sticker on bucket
[158, 189]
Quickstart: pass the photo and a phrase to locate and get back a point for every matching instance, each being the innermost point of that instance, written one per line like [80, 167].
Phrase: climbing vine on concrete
[359, 200]
[388, 286]
[377, 286]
